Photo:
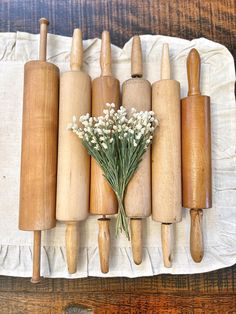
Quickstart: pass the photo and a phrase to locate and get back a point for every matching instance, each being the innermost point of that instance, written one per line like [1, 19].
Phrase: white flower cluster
[101, 132]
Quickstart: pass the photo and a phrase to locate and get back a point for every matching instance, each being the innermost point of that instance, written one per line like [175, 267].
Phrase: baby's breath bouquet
[117, 141]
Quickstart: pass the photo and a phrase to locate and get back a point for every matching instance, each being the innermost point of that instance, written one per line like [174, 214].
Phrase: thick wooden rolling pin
[196, 153]
[136, 93]
[73, 173]
[105, 89]
[39, 148]
[166, 155]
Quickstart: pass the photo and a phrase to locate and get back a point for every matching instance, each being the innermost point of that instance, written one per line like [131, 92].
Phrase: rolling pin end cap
[35, 280]
[71, 270]
[168, 262]
[197, 259]
[138, 261]
[43, 20]
[104, 270]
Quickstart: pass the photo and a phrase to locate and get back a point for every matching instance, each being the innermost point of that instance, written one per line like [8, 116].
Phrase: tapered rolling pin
[166, 155]
[136, 93]
[105, 89]
[73, 175]
[39, 148]
[196, 153]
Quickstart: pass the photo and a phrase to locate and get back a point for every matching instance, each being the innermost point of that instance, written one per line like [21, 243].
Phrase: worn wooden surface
[203, 293]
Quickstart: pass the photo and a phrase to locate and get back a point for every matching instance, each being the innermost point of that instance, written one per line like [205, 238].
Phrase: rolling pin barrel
[39, 148]
[196, 153]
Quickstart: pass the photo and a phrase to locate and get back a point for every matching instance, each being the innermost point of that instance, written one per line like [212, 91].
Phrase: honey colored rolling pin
[39, 148]
[166, 155]
[136, 93]
[196, 153]
[105, 89]
[73, 173]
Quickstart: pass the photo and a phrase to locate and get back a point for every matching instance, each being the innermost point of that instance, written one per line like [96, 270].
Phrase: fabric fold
[219, 222]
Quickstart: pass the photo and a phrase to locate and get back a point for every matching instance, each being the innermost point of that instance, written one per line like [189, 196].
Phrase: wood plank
[188, 19]
[220, 281]
[43, 303]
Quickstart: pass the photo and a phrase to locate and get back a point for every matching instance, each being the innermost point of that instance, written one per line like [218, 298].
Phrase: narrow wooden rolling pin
[105, 89]
[136, 93]
[39, 148]
[73, 175]
[166, 155]
[196, 153]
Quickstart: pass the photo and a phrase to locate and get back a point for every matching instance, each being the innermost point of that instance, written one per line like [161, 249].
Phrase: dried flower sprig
[117, 141]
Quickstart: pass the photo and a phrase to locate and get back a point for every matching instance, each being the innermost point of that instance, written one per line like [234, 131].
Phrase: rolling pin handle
[43, 38]
[136, 58]
[166, 244]
[36, 257]
[105, 56]
[193, 72]
[136, 239]
[165, 63]
[104, 244]
[72, 244]
[76, 55]
[196, 237]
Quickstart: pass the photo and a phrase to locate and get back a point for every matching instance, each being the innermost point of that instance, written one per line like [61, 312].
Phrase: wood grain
[212, 292]
[105, 89]
[39, 152]
[199, 293]
[188, 19]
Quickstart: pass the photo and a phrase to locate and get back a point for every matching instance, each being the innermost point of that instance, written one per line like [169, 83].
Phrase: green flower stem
[122, 220]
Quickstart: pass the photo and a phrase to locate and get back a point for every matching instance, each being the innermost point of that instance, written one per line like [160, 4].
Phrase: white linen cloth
[219, 223]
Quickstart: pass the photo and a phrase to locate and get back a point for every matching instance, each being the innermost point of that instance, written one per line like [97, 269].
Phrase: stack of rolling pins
[105, 89]
[136, 93]
[196, 153]
[73, 174]
[166, 155]
[39, 148]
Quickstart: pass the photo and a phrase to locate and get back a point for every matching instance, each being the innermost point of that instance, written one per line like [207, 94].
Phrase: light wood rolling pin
[166, 156]
[73, 175]
[39, 148]
[105, 89]
[136, 93]
[196, 153]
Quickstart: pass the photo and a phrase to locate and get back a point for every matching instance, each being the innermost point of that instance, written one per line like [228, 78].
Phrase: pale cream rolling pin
[166, 155]
[136, 93]
[73, 174]
[105, 89]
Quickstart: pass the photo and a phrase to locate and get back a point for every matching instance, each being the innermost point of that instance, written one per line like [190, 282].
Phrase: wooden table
[202, 293]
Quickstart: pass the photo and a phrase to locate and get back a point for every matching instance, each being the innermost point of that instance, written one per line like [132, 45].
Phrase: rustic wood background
[202, 293]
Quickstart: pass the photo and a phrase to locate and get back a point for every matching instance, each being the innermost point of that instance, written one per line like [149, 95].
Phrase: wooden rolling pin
[39, 148]
[105, 89]
[136, 93]
[73, 174]
[196, 153]
[166, 155]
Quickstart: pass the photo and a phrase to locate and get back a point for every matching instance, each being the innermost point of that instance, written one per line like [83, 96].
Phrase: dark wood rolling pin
[39, 148]
[196, 154]
[73, 175]
[105, 89]
[166, 155]
[137, 93]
